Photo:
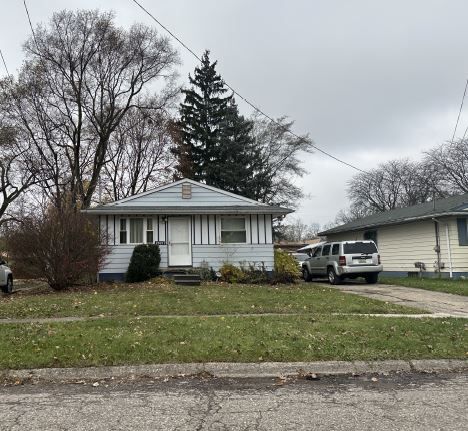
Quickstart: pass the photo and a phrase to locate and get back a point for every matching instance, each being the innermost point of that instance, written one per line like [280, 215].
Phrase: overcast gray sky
[370, 80]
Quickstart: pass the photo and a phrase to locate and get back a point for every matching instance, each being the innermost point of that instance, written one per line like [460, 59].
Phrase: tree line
[96, 113]
[441, 172]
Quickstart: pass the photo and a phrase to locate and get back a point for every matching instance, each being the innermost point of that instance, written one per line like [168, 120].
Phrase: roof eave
[392, 222]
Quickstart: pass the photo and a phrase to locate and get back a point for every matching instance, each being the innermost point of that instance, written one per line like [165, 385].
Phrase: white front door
[180, 244]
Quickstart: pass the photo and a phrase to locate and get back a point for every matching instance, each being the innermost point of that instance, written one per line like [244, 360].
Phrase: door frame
[189, 221]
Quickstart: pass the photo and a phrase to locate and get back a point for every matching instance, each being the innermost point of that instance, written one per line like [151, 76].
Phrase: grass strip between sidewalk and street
[159, 298]
[229, 339]
[455, 286]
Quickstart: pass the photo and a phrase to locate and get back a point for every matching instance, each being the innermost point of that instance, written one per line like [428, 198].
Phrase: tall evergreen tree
[201, 115]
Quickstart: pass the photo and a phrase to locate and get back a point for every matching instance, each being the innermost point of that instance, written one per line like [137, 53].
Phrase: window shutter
[462, 233]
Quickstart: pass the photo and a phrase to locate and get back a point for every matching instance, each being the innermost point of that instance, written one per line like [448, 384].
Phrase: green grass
[165, 299]
[458, 287]
[236, 339]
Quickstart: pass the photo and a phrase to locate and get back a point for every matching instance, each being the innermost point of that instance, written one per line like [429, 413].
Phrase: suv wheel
[332, 277]
[306, 274]
[372, 278]
[9, 286]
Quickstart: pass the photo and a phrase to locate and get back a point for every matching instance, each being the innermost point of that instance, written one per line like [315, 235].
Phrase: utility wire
[4, 62]
[459, 113]
[256, 108]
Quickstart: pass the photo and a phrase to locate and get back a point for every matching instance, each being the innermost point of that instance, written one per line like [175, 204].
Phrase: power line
[459, 113]
[242, 97]
[4, 62]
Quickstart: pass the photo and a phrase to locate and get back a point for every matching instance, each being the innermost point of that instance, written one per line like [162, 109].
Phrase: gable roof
[453, 205]
[204, 199]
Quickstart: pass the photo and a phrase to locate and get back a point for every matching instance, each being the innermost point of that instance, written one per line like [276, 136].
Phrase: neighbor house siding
[400, 246]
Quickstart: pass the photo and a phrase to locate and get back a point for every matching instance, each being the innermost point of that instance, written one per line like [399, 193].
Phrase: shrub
[253, 274]
[144, 263]
[286, 268]
[231, 273]
[63, 246]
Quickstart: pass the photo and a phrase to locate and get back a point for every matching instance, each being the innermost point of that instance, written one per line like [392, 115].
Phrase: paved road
[436, 302]
[397, 402]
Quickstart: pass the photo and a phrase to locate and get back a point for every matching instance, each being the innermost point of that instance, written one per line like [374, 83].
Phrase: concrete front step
[187, 279]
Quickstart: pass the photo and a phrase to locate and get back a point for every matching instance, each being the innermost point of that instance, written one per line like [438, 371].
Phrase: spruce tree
[201, 115]
[215, 144]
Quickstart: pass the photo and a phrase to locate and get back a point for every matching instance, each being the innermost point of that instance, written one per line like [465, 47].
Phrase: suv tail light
[378, 257]
[342, 260]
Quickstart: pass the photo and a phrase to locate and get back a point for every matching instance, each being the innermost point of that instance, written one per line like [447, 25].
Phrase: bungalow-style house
[431, 238]
[194, 224]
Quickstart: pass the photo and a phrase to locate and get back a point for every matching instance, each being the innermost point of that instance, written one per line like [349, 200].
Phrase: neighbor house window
[370, 235]
[149, 231]
[462, 231]
[233, 230]
[123, 231]
[136, 230]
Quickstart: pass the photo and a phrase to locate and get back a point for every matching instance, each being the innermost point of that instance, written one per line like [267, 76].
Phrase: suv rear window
[326, 250]
[359, 247]
[336, 249]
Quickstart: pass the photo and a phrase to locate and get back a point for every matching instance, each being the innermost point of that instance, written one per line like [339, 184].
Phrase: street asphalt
[400, 401]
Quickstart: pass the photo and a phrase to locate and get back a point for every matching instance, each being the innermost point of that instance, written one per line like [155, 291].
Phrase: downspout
[447, 236]
[449, 248]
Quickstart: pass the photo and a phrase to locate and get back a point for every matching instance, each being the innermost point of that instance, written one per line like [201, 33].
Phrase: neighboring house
[193, 223]
[434, 234]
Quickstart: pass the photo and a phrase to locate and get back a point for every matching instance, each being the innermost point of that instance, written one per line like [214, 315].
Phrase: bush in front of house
[245, 273]
[144, 263]
[62, 245]
[286, 267]
[231, 273]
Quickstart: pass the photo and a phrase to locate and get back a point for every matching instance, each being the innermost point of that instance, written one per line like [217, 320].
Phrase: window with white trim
[233, 230]
[123, 231]
[149, 231]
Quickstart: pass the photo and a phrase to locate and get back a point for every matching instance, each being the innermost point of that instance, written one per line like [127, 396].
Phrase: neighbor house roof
[453, 205]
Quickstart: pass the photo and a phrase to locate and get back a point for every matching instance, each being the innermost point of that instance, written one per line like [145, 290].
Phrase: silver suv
[346, 259]
[6, 277]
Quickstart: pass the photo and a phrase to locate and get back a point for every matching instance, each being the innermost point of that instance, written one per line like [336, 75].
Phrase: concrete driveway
[435, 302]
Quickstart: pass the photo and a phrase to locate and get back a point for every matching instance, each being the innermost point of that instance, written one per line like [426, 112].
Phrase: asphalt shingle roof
[449, 206]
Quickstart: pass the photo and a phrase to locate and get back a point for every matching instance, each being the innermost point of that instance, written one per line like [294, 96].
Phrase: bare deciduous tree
[81, 77]
[278, 161]
[297, 230]
[139, 154]
[394, 184]
[18, 171]
[449, 162]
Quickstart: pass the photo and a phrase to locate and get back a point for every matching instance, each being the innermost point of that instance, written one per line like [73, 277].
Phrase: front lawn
[456, 286]
[233, 339]
[163, 298]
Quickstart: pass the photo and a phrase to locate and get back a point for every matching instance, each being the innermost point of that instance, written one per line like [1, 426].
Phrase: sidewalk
[232, 370]
[207, 316]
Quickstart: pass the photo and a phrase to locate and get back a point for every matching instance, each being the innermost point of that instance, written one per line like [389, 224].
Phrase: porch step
[187, 279]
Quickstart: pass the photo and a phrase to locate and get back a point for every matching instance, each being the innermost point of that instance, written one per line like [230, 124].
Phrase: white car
[6, 277]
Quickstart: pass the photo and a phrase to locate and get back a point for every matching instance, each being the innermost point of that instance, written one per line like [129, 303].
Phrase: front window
[233, 230]
[136, 230]
[149, 231]
[123, 231]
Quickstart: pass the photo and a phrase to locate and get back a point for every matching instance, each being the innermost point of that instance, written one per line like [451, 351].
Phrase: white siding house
[434, 233]
[193, 223]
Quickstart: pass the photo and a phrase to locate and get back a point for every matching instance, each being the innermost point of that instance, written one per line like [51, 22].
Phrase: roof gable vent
[186, 191]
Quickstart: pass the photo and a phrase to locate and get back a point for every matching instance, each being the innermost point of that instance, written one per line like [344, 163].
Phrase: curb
[233, 370]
